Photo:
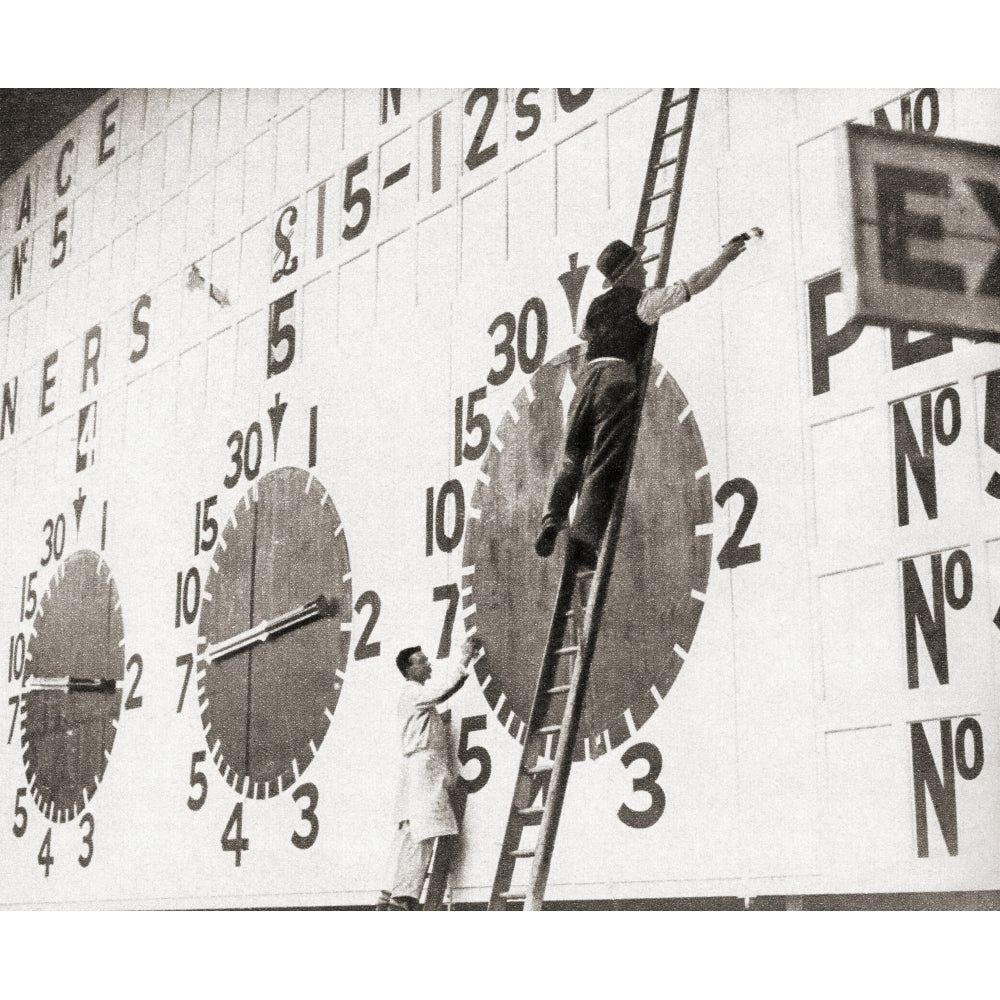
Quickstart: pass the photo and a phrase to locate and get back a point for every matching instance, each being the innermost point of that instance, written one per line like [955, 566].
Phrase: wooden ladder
[573, 631]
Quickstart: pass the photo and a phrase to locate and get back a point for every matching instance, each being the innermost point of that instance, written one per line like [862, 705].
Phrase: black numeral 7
[187, 661]
[447, 592]
[15, 700]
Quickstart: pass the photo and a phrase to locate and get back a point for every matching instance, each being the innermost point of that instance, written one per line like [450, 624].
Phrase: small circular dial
[266, 708]
[661, 570]
[68, 729]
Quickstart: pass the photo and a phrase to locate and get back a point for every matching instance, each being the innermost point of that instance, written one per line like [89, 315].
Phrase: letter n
[940, 787]
[9, 409]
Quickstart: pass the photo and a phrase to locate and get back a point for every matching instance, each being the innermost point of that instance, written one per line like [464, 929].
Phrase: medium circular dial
[267, 706]
[72, 686]
[661, 570]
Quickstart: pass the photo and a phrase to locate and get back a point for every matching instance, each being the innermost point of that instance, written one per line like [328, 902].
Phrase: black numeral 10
[188, 598]
[437, 530]
[15, 664]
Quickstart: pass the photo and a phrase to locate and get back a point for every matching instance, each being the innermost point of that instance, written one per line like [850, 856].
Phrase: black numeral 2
[733, 553]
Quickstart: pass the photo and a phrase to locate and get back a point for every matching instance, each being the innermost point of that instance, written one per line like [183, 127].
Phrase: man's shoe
[403, 903]
[545, 543]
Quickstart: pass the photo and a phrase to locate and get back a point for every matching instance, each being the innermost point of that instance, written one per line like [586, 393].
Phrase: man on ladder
[600, 417]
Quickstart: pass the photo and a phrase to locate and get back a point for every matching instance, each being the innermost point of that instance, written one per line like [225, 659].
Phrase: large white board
[259, 344]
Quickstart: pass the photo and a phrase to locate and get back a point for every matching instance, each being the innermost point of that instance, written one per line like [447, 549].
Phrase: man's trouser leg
[571, 462]
[613, 412]
[413, 858]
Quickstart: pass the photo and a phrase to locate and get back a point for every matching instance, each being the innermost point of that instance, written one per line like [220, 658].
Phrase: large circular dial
[661, 569]
[72, 681]
[267, 705]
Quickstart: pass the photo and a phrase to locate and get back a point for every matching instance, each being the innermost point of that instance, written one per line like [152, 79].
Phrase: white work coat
[426, 773]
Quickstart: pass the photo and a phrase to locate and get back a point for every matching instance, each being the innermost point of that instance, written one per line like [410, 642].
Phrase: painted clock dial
[661, 569]
[267, 709]
[67, 735]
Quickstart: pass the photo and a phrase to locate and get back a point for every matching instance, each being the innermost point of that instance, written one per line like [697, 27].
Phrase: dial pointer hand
[318, 607]
[95, 685]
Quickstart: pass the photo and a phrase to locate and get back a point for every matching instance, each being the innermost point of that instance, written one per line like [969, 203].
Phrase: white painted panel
[851, 486]
[531, 204]
[437, 255]
[291, 165]
[326, 112]
[484, 234]
[396, 292]
[860, 649]
[204, 132]
[178, 152]
[258, 180]
[356, 306]
[867, 826]
[581, 183]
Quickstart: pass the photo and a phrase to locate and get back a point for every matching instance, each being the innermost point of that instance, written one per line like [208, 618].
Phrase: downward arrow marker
[78, 508]
[572, 283]
[276, 414]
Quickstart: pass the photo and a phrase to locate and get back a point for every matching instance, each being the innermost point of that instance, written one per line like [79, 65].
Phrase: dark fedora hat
[615, 259]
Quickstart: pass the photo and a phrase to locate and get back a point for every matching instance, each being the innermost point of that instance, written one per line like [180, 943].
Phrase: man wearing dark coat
[600, 417]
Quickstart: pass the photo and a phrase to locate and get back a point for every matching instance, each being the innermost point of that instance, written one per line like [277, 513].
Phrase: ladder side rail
[673, 209]
[655, 152]
[501, 879]
[605, 563]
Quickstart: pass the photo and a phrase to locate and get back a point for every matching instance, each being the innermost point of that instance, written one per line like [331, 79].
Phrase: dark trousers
[593, 459]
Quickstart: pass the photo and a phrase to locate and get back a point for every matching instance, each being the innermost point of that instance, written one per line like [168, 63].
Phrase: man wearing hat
[423, 808]
[600, 417]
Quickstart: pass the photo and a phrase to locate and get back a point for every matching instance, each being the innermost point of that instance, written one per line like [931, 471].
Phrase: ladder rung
[650, 258]
[660, 194]
[672, 132]
[544, 767]
[545, 730]
[531, 811]
[565, 650]
[652, 229]
[514, 896]
[558, 689]
[522, 852]
[581, 573]
[680, 100]
[668, 163]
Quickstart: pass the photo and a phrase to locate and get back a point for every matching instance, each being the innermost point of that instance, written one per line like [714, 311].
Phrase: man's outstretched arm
[471, 650]
[657, 301]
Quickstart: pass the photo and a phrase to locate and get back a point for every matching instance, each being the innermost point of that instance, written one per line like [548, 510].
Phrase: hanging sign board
[922, 232]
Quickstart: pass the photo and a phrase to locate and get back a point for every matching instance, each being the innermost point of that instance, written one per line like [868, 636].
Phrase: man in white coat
[423, 807]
